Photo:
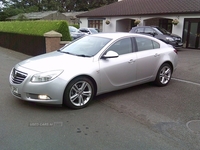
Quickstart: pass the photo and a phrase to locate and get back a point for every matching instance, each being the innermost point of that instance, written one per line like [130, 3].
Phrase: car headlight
[46, 76]
[169, 39]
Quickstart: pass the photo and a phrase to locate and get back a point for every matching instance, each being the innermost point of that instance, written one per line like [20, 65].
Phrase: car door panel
[118, 72]
[146, 64]
[147, 58]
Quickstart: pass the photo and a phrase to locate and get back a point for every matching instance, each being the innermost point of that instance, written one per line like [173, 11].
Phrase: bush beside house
[28, 36]
[37, 28]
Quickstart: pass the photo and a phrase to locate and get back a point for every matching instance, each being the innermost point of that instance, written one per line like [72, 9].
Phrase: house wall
[110, 27]
[178, 29]
[123, 23]
[84, 22]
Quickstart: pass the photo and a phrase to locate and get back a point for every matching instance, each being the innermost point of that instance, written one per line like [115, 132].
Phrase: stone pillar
[52, 40]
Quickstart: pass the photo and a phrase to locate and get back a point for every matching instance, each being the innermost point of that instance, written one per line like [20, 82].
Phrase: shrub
[36, 27]
[75, 25]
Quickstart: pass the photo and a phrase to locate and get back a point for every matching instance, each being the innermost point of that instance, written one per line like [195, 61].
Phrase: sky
[1, 5]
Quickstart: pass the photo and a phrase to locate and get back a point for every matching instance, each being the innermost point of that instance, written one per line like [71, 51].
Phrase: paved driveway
[143, 117]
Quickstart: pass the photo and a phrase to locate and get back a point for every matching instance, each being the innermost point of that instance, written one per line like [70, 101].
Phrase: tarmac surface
[143, 117]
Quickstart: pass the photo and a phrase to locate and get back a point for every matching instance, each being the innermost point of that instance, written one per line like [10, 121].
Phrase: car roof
[153, 26]
[86, 28]
[117, 35]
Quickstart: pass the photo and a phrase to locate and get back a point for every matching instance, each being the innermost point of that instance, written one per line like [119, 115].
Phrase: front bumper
[44, 92]
[176, 44]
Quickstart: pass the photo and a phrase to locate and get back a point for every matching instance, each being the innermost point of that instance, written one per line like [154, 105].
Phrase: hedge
[36, 27]
[75, 25]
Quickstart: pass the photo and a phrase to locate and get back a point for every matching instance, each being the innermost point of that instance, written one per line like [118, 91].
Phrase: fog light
[43, 97]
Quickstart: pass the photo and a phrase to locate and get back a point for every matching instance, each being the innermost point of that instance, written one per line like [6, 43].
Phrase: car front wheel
[78, 93]
[164, 75]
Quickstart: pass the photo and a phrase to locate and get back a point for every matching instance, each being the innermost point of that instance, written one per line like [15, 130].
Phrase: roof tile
[145, 7]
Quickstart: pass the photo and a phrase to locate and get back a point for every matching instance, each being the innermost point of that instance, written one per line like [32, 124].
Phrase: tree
[14, 7]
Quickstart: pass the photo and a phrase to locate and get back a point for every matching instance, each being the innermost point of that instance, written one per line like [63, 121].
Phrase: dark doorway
[191, 33]
[166, 24]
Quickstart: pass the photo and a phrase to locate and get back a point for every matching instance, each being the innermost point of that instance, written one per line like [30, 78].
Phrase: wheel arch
[165, 76]
[86, 76]
[170, 63]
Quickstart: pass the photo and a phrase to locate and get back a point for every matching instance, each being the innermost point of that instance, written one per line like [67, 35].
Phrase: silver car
[89, 30]
[93, 65]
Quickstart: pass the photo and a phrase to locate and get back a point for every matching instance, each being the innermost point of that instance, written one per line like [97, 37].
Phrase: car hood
[55, 61]
[174, 35]
[77, 33]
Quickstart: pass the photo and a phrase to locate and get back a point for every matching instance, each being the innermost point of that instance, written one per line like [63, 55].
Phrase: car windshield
[73, 29]
[93, 30]
[161, 30]
[86, 47]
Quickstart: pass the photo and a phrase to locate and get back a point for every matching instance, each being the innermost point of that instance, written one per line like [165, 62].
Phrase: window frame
[96, 23]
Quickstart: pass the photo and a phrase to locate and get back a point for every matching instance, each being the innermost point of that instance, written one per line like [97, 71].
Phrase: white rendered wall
[116, 23]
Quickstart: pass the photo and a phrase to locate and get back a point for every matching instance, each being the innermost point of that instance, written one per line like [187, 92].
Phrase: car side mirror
[110, 54]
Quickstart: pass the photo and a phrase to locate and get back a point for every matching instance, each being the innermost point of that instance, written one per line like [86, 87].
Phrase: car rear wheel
[78, 93]
[164, 75]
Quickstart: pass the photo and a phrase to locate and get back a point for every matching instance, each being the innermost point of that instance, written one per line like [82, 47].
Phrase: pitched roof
[73, 13]
[34, 15]
[145, 7]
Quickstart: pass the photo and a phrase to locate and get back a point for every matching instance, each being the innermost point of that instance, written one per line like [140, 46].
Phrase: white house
[121, 16]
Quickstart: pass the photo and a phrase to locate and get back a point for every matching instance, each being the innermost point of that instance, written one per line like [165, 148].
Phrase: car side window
[121, 47]
[156, 45]
[83, 30]
[144, 43]
[139, 30]
[148, 31]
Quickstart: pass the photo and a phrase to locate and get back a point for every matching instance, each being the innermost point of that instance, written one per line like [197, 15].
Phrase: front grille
[18, 76]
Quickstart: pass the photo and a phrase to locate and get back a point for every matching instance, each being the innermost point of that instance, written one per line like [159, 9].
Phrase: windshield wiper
[82, 55]
[65, 52]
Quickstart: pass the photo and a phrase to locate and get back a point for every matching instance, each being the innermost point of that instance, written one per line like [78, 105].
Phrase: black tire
[78, 93]
[164, 75]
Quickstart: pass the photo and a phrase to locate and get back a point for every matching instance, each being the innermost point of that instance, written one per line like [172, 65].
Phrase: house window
[96, 24]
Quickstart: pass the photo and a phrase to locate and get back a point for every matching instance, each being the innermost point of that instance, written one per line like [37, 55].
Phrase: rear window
[146, 44]
[156, 45]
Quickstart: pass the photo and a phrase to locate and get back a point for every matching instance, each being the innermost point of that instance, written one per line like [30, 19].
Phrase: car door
[147, 58]
[120, 71]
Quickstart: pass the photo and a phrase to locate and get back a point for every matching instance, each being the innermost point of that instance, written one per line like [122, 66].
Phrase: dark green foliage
[36, 27]
[15, 7]
[76, 25]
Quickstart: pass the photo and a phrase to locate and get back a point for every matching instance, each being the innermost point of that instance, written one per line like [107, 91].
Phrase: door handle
[156, 55]
[131, 61]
